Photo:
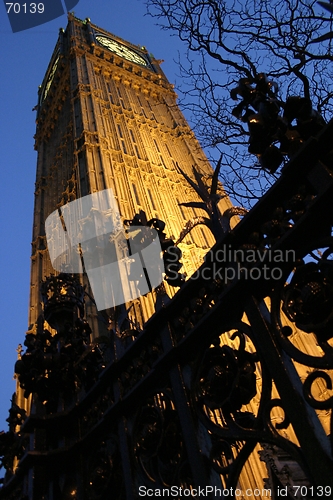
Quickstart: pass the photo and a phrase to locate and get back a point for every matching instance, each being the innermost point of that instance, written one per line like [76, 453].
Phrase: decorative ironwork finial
[63, 300]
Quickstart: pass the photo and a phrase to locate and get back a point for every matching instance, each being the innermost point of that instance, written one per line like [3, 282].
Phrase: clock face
[121, 50]
[50, 78]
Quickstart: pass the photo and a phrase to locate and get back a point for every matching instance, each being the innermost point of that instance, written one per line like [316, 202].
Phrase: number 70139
[32, 8]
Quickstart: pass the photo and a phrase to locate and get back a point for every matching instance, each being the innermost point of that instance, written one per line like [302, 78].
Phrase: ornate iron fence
[185, 404]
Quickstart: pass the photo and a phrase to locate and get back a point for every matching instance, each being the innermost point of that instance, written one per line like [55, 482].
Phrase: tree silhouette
[229, 40]
[217, 222]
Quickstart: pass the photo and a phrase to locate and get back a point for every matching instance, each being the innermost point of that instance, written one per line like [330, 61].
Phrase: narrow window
[151, 200]
[136, 194]
[122, 140]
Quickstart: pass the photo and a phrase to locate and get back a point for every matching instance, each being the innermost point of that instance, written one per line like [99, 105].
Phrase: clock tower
[108, 118]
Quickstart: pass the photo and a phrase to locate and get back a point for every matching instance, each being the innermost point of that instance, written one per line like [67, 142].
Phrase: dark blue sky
[24, 59]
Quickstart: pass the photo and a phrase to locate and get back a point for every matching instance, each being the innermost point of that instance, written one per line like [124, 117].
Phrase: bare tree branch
[228, 40]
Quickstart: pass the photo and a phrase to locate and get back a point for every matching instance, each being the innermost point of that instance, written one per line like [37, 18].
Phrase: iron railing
[187, 401]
